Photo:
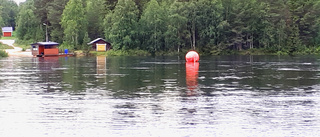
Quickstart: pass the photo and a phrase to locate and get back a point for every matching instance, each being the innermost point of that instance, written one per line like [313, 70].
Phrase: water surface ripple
[160, 96]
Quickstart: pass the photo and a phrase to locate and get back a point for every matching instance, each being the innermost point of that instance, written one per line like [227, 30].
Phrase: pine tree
[55, 9]
[86, 40]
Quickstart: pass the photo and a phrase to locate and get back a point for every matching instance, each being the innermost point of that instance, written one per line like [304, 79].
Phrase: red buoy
[192, 56]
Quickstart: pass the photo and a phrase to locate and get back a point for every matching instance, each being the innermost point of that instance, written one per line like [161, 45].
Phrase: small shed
[100, 44]
[7, 31]
[45, 49]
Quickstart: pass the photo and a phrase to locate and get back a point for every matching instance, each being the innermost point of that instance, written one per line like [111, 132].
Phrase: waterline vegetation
[2, 48]
[3, 53]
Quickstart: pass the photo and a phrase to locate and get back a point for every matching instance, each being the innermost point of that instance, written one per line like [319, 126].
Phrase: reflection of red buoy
[192, 56]
[192, 69]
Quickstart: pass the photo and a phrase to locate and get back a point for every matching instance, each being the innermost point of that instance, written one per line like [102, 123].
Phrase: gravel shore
[17, 51]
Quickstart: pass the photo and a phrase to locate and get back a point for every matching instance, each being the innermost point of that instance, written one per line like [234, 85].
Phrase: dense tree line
[172, 25]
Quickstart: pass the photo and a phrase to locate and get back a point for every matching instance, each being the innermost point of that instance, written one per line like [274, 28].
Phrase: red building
[40, 49]
[100, 44]
[7, 31]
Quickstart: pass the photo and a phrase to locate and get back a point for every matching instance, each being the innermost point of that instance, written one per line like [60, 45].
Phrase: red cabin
[41, 49]
[7, 31]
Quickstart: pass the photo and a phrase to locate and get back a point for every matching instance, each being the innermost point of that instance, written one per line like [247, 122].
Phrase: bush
[65, 46]
[3, 46]
[130, 52]
[3, 53]
[23, 44]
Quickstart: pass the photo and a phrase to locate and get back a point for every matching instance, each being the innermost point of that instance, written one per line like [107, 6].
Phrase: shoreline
[17, 51]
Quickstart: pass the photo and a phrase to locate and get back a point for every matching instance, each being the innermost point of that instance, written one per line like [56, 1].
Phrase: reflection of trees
[79, 74]
[49, 78]
[135, 75]
[123, 76]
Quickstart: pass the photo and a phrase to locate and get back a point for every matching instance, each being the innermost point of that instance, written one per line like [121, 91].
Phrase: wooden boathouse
[100, 44]
[41, 49]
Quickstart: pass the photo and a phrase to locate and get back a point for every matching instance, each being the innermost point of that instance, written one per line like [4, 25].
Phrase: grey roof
[46, 43]
[7, 29]
[96, 40]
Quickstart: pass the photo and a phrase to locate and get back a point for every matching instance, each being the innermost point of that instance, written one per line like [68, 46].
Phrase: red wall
[7, 34]
[41, 49]
[51, 51]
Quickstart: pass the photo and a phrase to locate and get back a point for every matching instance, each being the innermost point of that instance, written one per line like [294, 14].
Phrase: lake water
[160, 96]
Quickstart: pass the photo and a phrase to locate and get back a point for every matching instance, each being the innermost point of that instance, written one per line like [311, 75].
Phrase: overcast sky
[18, 1]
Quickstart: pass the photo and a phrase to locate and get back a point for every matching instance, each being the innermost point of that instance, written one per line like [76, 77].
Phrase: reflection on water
[192, 69]
[101, 65]
[160, 96]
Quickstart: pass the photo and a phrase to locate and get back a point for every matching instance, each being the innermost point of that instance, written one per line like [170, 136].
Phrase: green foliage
[3, 46]
[85, 47]
[130, 52]
[54, 10]
[24, 44]
[3, 53]
[152, 27]
[66, 46]
[177, 35]
[213, 27]
[1, 22]
[122, 24]
[74, 23]
[95, 16]
[29, 26]
[8, 13]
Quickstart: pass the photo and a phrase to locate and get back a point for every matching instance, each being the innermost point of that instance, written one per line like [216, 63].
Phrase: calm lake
[160, 96]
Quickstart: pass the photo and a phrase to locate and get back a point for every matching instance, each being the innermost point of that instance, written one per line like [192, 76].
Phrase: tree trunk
[251, 45]
[194, 35]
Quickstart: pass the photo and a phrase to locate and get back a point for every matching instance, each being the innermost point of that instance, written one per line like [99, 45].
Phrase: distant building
[7, 31]
[100, 44]
[45, 49]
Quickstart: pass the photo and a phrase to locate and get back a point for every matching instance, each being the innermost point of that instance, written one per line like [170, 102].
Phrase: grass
[22, 44]
[3, 46]
[7, 38]
[121, 53]
[3, 53]
[24, 47]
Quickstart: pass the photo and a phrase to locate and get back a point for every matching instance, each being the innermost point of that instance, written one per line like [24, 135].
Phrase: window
[34, 48]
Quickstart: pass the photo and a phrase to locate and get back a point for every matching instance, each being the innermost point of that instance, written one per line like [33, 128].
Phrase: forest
[209, 26]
